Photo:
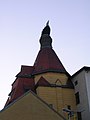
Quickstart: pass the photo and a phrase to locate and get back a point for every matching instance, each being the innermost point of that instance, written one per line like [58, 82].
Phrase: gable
[29, 107]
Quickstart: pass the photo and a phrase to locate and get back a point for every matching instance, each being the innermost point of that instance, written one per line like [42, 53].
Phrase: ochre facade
[53, 78]
[29, 107]
[56, 96]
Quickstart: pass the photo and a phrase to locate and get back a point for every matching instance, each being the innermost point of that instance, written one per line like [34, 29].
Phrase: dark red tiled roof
[19, 87]
[47, 60]
[25, 71]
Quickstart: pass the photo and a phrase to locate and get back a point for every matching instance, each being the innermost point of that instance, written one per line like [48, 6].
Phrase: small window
[51, 105]
[79, 115]
[77, 98]
[69, 107]
[58, 82]
[76, 82]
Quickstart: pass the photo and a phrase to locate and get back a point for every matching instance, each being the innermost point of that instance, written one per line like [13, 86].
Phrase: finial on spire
[46, 30]
[47, 24]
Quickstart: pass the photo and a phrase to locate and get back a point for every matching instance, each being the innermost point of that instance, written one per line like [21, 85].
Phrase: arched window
[58, 82]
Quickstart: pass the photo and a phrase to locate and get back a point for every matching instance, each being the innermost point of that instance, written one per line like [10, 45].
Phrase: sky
[21, 23]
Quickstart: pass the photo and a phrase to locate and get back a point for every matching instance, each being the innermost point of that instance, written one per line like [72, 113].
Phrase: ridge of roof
[86, 68]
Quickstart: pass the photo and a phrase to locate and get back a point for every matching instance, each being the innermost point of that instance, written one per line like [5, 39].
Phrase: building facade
[81, 81]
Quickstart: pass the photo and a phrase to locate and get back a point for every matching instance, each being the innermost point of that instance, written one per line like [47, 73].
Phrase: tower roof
[47, 60]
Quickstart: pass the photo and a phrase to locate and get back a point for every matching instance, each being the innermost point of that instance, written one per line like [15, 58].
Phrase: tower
[47, 78]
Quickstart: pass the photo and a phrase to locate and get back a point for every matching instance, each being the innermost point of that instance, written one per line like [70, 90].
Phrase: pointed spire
[47, 24]
[46, 29]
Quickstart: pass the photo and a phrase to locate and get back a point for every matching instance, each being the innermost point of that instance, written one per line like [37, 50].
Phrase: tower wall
[58, 98]
[53, 78]
[58, 95]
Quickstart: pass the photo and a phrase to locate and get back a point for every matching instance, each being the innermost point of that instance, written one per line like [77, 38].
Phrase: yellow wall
[53, 77]
[29, 107]
[59, 97]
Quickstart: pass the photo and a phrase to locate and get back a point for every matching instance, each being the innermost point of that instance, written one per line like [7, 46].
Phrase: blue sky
[21, 23]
